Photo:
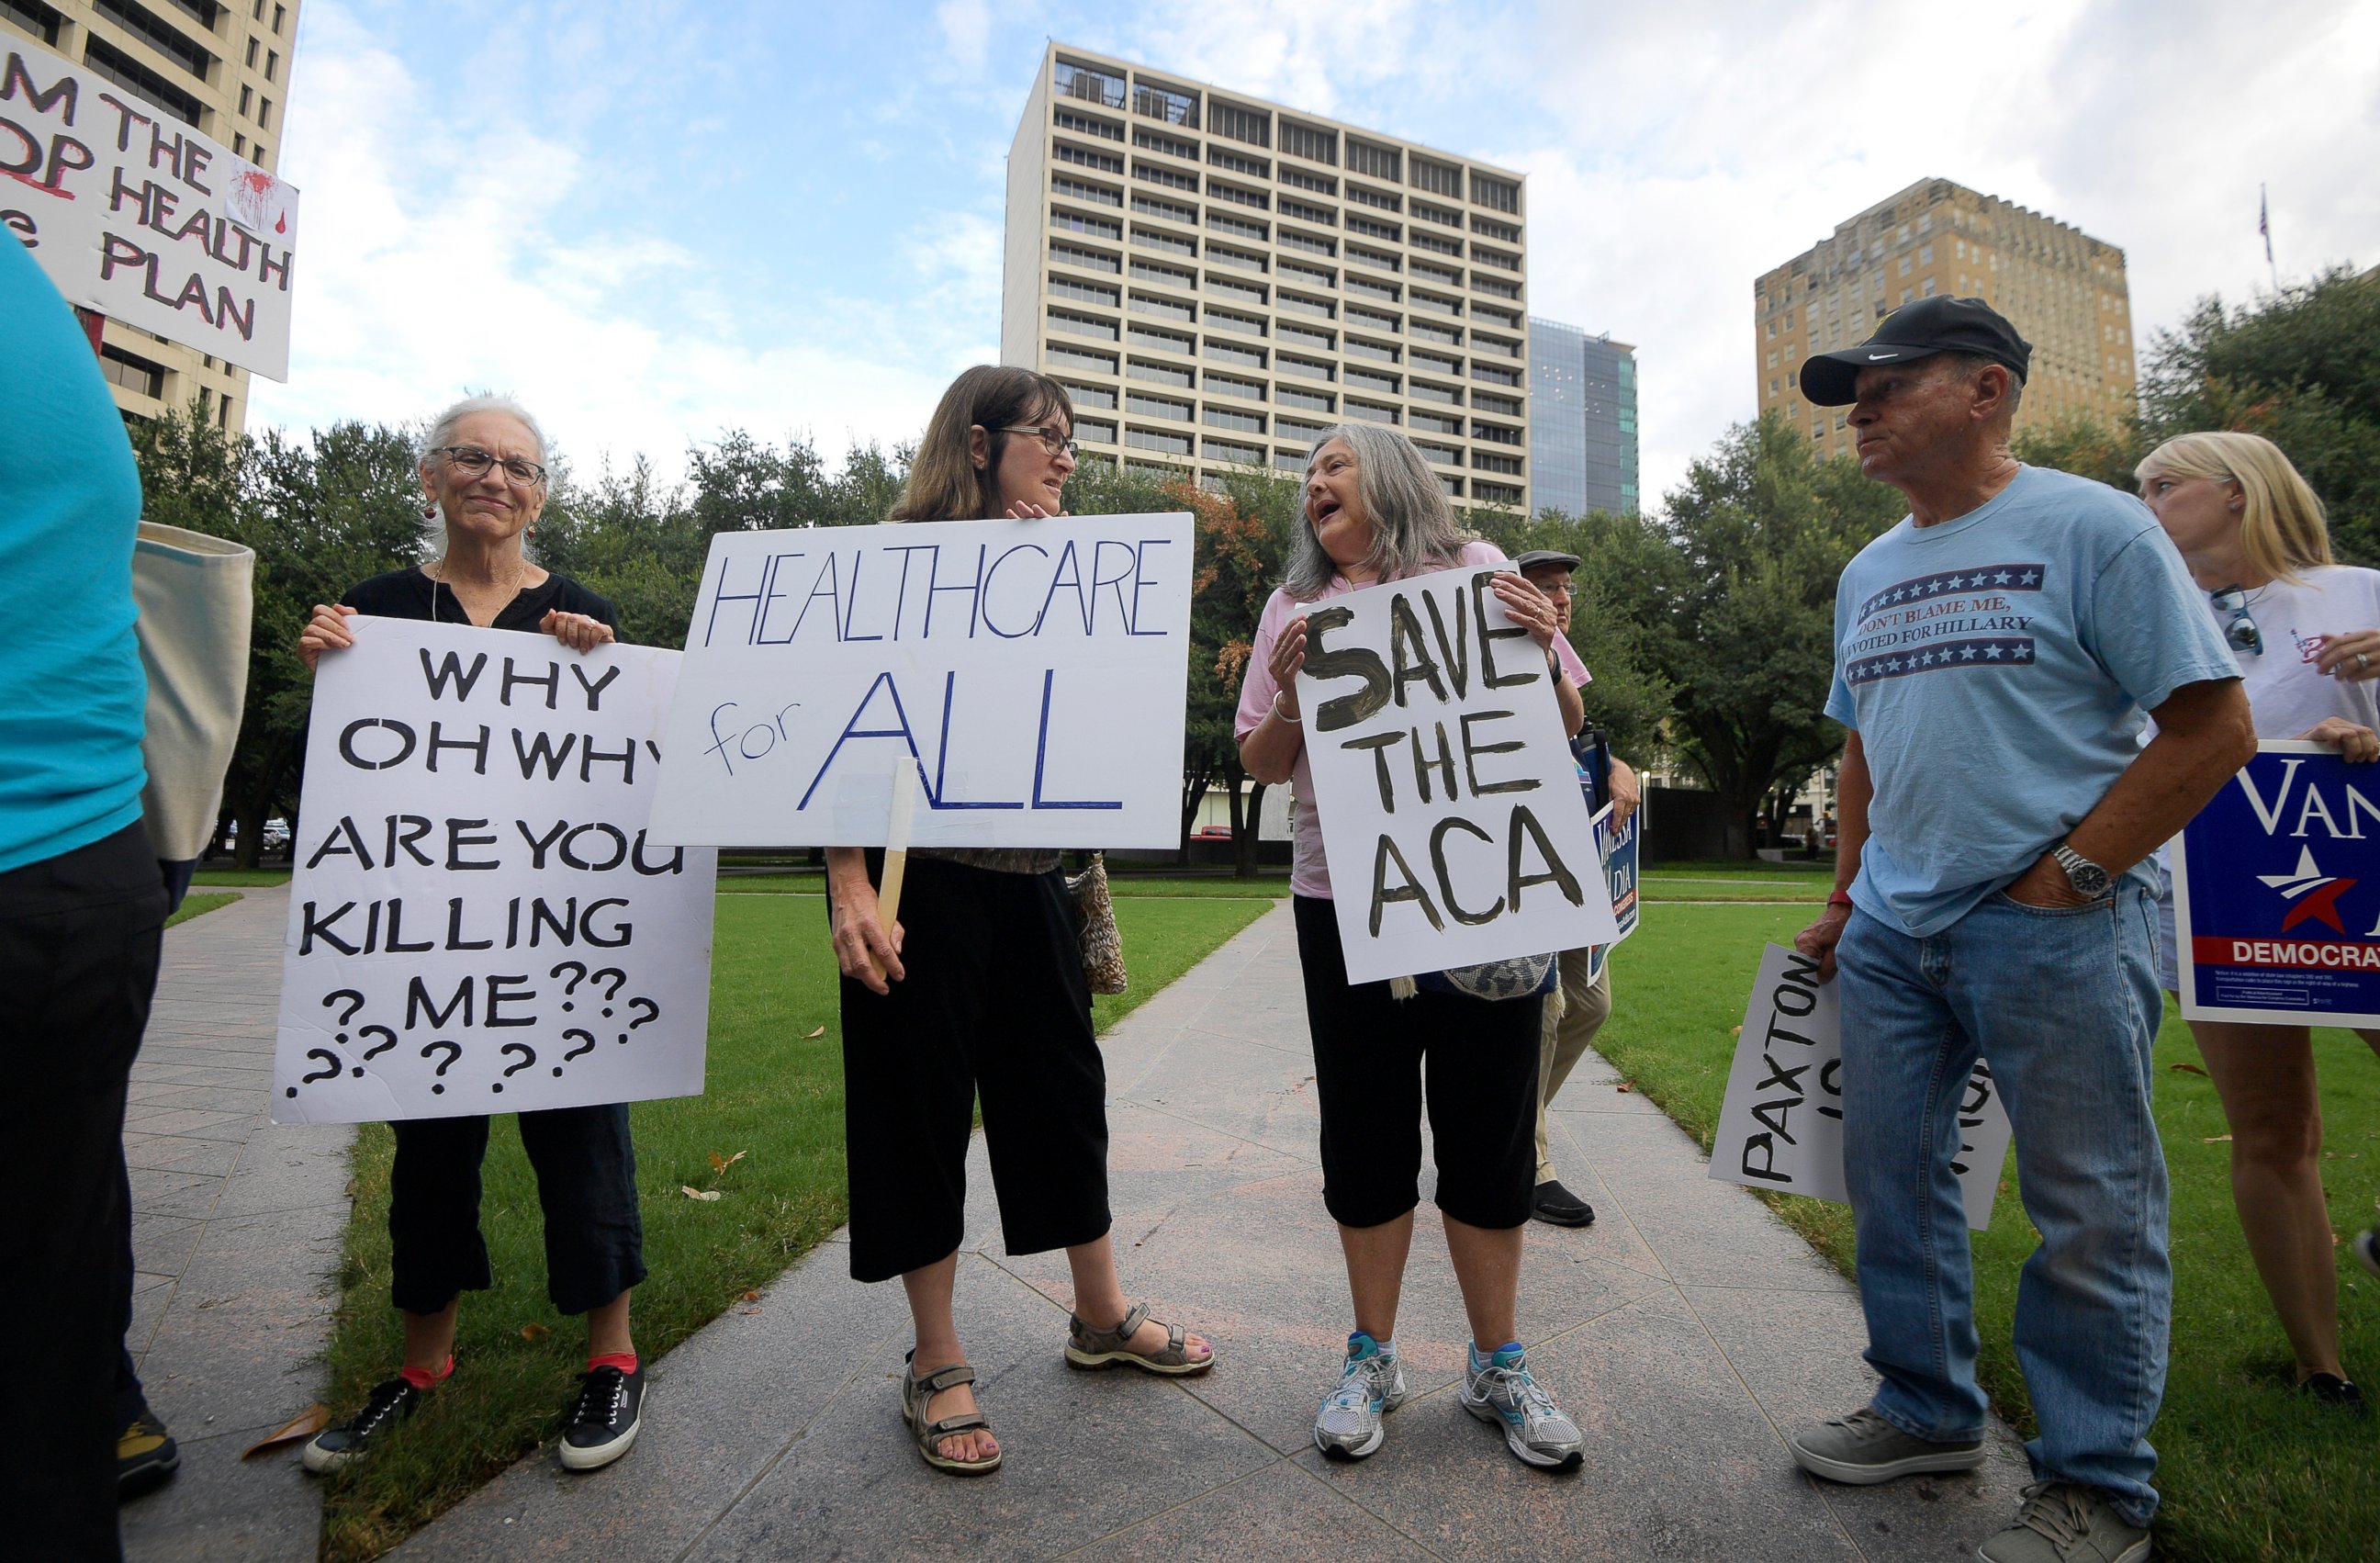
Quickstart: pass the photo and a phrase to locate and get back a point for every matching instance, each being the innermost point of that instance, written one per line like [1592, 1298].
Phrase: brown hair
[944, 482]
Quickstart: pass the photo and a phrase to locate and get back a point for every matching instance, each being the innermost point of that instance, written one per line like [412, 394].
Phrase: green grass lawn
[2249, 1469]
[198, 903]
[773, 1095]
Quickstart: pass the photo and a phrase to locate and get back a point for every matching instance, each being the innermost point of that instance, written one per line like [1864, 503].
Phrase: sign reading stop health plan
[2276, 893]
[135, 214]
[1032, 674]
[1782, 1125]
[1450, 802]
[479, 920]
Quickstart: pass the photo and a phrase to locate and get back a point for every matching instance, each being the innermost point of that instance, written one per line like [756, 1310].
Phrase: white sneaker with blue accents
[1499, 1389]
[1371, 1383]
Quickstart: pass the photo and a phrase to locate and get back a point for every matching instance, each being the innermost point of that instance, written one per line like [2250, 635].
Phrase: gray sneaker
[2367, 1248]
[2067, 1522]
[1371, 1384]
[1535, 1428]
[1863, 1450]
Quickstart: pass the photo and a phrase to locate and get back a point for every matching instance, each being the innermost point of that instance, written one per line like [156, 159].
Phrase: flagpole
[2265, 226]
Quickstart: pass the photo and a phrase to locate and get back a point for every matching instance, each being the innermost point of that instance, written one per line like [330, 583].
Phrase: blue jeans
[2064, 1004]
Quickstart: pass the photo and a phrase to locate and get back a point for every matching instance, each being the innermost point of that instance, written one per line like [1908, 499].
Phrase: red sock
[423, 1378]
[623, 1360]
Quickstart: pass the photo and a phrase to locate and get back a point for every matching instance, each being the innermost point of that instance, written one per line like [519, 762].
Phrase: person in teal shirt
[82, 908]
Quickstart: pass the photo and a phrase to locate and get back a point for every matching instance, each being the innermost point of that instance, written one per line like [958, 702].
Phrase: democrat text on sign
[1781, 1125]
[2276, 893]
[1032, 674]
[1616, 849]
[478, 921]
[1450, 802]
[138, 217]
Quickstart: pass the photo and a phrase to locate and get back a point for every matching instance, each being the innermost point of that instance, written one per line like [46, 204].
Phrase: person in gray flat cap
[1585, 973]
[1995, 656]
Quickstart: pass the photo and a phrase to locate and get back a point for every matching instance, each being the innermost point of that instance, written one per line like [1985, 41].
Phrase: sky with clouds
[658, 221]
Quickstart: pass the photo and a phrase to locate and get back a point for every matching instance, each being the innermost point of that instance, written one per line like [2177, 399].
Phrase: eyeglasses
[1053, 441]
[473, 462]
[2241, 631]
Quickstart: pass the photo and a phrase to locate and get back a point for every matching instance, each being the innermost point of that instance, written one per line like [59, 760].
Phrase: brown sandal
[1087, 1347]
[917, 1393]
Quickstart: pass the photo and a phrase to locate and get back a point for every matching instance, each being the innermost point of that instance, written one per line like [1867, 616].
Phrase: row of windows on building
[1423, 422]
[1321, 313]
[1355, 375]
[1164, 241]
[1255, 287]
[104, 59]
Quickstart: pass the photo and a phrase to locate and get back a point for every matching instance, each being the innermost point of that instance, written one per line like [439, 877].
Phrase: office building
[1582, 421]
[2064, 290]
[1217, 278]
[224, 70]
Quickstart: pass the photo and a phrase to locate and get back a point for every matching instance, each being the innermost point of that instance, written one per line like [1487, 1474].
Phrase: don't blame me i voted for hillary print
[1977, 616]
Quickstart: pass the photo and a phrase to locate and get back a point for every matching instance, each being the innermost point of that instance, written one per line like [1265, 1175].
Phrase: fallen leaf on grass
[2188, 1068]
[2215, 1140]
[690, 1191]
[536, 1332]
[1735, 1031]
[305, 1424]
[1625, 1085]
[751, 1297]
[813, 1037]
[720, 1163]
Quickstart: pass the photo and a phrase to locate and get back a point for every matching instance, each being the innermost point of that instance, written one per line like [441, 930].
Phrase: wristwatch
[2090, 881]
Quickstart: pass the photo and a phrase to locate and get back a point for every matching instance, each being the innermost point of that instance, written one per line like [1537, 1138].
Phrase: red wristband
[1840, 899]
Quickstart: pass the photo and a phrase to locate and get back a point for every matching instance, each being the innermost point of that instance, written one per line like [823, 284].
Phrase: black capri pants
[1369, 1053]
[993, 1005]
[586, 1185]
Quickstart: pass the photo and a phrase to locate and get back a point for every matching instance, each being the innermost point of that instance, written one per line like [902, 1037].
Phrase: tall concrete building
[1217, 278]
[224, 70]
[2064, 289]
[1582, 419]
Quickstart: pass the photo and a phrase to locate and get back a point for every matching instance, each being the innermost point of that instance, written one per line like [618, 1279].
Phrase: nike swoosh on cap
[1878, 358]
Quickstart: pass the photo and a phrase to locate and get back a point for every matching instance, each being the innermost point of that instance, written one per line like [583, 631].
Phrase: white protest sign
[478, 921]
[1781, 1125]
[1033, 674]
[1450, 810]
[135, 214]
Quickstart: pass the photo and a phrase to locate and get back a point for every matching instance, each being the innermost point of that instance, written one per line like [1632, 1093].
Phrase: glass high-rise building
[1582, 422]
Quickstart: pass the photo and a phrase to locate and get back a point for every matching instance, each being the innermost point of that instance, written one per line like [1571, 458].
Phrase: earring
[430, 512]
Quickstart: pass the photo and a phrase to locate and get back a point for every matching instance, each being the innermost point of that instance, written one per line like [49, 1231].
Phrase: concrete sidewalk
[235, 1232]
[1683, 1330]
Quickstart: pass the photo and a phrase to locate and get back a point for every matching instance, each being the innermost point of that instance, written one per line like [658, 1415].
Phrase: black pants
[993, 1005]
[79, 935]
[586, 1184]
[1369, 1052]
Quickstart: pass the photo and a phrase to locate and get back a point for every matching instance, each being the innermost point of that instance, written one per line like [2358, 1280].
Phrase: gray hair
[442, 429]
[1413, 526]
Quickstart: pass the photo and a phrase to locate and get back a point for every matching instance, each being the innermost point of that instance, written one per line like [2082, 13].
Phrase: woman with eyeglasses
[483, 482]
[976, 993]
[2306, 634]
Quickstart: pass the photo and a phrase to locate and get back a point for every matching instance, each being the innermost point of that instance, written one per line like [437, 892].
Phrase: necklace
[512, 589]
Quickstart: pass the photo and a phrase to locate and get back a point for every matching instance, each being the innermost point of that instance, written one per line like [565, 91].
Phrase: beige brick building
[2064, 290]
[221, 68]
[1216, 278]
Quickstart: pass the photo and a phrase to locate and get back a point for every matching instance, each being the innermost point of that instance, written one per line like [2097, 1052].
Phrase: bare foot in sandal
[1140, 1341]
[959, 1400]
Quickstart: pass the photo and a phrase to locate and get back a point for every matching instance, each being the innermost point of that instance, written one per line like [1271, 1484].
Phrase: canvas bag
[196, 595]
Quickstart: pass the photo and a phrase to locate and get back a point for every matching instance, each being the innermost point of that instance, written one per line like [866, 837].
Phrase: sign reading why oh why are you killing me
[2276, 893]
[135, 214]
[1450, 802]
[1781, 1125]
[1033, 676]
[478, 921]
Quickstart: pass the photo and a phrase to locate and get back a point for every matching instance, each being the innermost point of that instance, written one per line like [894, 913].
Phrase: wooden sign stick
[896, 849]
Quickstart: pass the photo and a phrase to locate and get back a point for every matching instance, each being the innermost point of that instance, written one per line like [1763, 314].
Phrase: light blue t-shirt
[1998, 667]
[73, 698]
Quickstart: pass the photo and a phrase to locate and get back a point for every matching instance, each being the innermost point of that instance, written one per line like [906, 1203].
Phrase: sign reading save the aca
[2276, 893]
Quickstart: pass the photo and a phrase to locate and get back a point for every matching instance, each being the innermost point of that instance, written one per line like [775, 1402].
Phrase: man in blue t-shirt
[1994, 654]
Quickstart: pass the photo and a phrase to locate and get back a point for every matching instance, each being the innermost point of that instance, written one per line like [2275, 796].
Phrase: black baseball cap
[1914, 331]
[1537, 559]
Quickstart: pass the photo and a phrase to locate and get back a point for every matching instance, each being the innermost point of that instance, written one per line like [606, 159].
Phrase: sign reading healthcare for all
[480, 922]
[1450, 808]
[1032, 675]
[2276, 893]
[1781, 1125]
[135, 214]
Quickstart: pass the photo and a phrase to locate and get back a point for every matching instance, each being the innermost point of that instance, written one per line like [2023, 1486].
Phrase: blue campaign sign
[2276, 893]
[1618, 851]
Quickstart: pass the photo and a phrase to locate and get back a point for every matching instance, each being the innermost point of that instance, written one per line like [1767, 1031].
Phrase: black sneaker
[388, 1404]
[603, 1424]
[1554, 1203]
[2333, 1390]
[145, 1455]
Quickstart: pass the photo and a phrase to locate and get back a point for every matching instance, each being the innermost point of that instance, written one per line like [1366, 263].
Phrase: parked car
[1212, 832]
[276, 835]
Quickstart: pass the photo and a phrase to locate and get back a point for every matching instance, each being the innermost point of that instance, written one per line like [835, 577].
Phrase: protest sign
[478, 921]
[1781, 1125]
[1033, 674]
[135, 214]
[1617, 848]
[1450, 802]
[2276, 893]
